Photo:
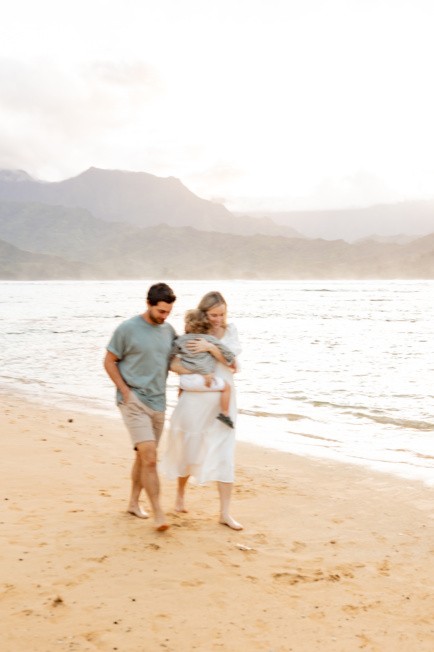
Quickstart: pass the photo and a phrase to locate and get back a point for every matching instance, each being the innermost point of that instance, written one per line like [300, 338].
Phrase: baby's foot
[225, 419]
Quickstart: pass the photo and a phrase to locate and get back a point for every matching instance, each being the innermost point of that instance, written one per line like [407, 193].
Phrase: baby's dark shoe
[226, 420]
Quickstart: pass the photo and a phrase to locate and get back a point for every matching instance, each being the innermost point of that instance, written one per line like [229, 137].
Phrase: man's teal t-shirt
[144, 352]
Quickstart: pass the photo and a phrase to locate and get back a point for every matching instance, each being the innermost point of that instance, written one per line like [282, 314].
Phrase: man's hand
[111, 367]
[125, 394]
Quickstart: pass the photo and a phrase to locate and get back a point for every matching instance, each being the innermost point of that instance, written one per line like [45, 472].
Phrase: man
[137, 361]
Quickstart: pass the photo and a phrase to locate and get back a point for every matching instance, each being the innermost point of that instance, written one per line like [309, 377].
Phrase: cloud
[361, 188]
[49, 114]
[125, 75]
[221, 176]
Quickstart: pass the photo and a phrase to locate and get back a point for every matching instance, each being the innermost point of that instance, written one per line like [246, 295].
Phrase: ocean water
[331, 369]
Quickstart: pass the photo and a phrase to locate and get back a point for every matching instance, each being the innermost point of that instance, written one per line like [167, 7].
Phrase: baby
[203, 364]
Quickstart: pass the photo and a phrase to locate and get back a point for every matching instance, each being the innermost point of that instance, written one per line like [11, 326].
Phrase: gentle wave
[257, 413]
[401, 423]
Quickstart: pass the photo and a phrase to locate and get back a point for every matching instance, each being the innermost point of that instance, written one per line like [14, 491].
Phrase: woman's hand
[200, 345]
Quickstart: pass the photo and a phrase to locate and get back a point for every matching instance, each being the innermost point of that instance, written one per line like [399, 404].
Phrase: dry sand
[332, 558]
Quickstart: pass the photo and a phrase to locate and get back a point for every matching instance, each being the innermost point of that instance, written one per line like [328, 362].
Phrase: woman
[198, 444]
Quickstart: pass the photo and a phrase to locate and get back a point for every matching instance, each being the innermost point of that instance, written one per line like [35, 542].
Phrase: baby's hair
[196, 321]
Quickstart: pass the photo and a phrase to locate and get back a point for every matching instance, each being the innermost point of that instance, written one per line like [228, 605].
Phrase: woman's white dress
[197, 444]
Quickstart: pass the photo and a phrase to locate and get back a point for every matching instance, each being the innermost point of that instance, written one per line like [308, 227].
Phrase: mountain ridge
[92, 248]
[139, 198]
[74, 222]
[407, 218]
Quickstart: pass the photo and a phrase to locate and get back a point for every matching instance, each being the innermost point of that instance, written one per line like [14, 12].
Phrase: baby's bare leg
[225, 398]
[223, 416]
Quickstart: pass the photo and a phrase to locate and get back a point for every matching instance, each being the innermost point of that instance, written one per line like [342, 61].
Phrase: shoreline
[333, 556]
[247, 423]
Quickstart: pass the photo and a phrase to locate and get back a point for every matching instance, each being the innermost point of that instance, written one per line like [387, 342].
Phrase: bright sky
[261, 104]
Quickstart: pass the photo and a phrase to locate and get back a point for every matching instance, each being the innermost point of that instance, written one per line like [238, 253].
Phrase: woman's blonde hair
[210, 300]
[196, 322]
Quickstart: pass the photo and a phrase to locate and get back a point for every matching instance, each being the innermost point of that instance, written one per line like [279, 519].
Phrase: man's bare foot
[136, 510]
[180, 505]
[160, 521]
[230, 522]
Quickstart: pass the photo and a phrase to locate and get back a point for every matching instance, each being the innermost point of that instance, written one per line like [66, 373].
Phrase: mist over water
[340, 370]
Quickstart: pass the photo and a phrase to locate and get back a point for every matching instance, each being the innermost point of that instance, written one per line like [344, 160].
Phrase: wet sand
[333, 557]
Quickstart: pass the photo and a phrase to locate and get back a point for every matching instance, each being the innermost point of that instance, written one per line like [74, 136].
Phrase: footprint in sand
[192, 583]
[7, 589]
[297, 577]
[57, 601]
[347, 570]
[99, 560]
[357, 608]
[244, 491]
[153, 546]
[297, 546]
[317, 615]
[364, 640]
[384, 568]
[291, 578]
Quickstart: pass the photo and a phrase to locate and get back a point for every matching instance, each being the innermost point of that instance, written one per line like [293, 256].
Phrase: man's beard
[154, 320]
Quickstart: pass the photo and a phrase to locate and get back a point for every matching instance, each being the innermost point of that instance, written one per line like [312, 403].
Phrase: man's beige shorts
[142, 422]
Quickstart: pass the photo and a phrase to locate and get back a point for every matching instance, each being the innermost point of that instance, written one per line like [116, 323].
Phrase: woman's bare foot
[180, 505]
[230, 522]
[136, 510]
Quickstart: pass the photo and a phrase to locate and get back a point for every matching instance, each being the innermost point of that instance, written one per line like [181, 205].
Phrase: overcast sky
[261, 104]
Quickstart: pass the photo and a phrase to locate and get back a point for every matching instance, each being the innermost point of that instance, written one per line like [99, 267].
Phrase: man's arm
[111, 367]
[176, 366]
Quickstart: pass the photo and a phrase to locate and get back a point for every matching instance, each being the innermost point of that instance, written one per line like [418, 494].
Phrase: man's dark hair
[160, 292]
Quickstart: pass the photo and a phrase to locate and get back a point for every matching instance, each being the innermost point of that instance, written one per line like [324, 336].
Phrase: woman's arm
[202, 345]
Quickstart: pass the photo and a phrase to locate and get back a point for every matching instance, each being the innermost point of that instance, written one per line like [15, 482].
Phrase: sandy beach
[333, 557]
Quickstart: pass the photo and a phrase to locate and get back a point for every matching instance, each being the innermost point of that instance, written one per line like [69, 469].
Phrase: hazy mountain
[70, 232]
[145, 200]
[135, 197]
[14, 176]
[81, 246]
[401, 238]
[414, 218]
[16, 264]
